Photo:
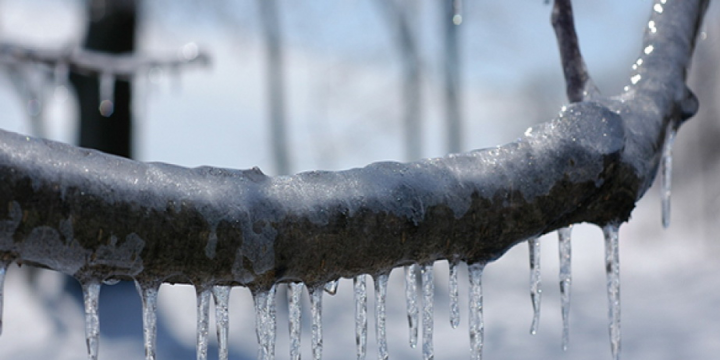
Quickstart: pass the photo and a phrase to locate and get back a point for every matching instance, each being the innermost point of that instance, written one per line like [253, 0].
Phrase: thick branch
[89, 214]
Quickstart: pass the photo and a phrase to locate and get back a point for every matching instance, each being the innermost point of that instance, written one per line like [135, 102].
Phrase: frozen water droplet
[316, 313]
[564, 248]
[535, 289]
[428, 290]
[148, 291]
[411, 302]
[475, 317]
[203, 321]
[91, 296]
[265, 325]
[3, 270]
[360, 291]
[294, 314]
[221, 295]
[331, 287]
[107, 94]
[380, 331]
[666, 174]
[612, 268]
[454, 295]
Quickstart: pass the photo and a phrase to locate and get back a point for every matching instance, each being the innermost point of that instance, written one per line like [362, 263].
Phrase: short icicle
[331, 287]
[666, 174]
[428, 291]
[294, 314]
[535, 289]
[380, 331]
[107, 94]
[612, 267]
[475, 318]
[316, 313]
[360, 290]
[203, 321]
[91, 300]
[457, 12]
[148, 290]
[3, 270]
[564, 248]
[265, 325]
[411, 302]
[221, 295]
[454, 295]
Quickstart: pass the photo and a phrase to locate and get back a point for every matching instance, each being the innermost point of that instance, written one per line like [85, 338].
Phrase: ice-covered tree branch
[89, 214]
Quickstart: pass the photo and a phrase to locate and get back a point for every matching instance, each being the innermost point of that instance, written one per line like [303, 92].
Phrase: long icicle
[360, 290]
[565, 253]
[612, 267]
[316, 313]
[475, 317]
[380, 331]
[294, 314]
[148, 291]
[411, 302]
[428, 291]
[91, 300]
[535, 289]
[203, 321]
[666, 174]
[265, 325]
[221, 295]
[3, 270]
[454, 295]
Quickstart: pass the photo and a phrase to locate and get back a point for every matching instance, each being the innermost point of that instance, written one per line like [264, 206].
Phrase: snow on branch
[89, 214]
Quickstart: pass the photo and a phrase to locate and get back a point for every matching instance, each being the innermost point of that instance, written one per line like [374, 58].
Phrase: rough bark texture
[86, 213]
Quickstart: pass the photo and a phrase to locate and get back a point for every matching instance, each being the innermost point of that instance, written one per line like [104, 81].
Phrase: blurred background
[322, 84]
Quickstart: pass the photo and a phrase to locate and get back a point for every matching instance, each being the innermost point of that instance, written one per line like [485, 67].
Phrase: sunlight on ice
[203, 321]
[411, 302]
[454, 295]
[295, 317]
[565, 250]
[148, 291]
[612, 267]
[475, 317]
[221, 295]
[360, 293]
[265, 325]
[316, 314]
[666, 174]
[535, 290]
[380, 331]
[428, 291]
[91, 296]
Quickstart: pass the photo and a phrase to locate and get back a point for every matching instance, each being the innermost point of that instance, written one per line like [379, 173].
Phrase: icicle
[111, 281]
[148, 294]
[428, 290]
[380, 295]
[203, 321]
[265, 322]
[612, 267]
[411, 302]
[221, 295]
[3, 269]
[457, 12]
[91, 296]
[294, 314]
[666, 174]
[60, 77]
[360, 315]
[331, 287]
[475, 318]
[107, 94]
[454, 295]
[564, 248]
[535, 290]
[316, 313]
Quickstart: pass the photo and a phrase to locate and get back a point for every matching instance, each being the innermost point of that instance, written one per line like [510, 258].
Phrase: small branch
[579, 85]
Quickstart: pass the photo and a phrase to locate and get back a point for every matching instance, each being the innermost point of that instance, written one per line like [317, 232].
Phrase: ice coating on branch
[3, 270]
[411, 302]
[428, 291]
[331, 286]
[203, 321]
[107, 94]
[294, 316]
[148, 291]
[265, 322]
[535, 285]
[360, 295]
[221, 295]
[316, 313]
[565, 253]
[666, 173]
[380, 330]
[612, 267]
[476, 323]
[91, 297]
[454, 295]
